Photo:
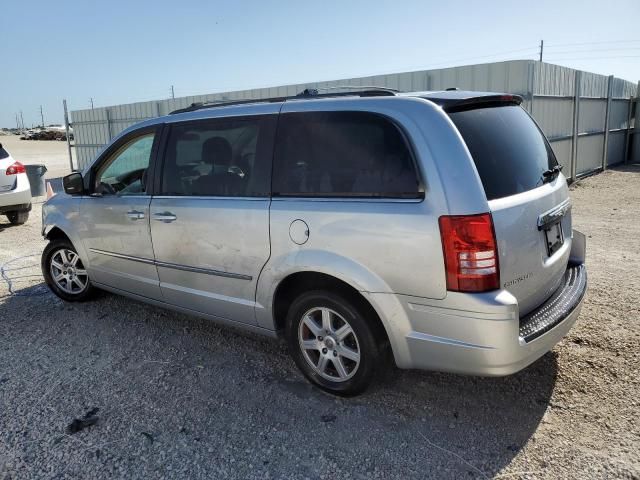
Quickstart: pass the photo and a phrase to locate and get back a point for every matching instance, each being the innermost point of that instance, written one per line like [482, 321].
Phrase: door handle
[166, 217]
[135, 215]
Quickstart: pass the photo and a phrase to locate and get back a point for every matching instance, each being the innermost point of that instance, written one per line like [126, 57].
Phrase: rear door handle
[135, 215]
[166, 217]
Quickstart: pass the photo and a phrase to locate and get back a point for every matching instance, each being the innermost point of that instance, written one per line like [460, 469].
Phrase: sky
[118, 51]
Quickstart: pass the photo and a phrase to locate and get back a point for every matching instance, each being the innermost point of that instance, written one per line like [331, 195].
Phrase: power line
[593, 58]
[553, 45]
[599, 50]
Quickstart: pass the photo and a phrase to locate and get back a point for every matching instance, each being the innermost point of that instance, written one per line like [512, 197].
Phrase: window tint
[226, 157]
[342, 154]
[509, 150]
[3, 153]
[125, 172]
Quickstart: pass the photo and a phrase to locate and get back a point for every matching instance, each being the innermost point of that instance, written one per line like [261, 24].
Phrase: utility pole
[91, 102]
[172, 92]
[541, 48]
[41, 116]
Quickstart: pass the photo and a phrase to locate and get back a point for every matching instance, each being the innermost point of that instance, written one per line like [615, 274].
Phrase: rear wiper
[550, 174]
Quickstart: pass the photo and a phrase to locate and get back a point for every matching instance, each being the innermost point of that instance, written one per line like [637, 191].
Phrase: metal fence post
[576, 115]
[636, 123]
[531, 84]
[605, 149]
[627, 134]
[632, 113]
[108, 119]
[66, 127]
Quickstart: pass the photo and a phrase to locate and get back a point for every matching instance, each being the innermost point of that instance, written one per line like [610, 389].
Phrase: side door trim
[175, 266]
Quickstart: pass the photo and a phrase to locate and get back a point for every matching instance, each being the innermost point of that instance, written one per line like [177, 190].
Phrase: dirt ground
[179, 397]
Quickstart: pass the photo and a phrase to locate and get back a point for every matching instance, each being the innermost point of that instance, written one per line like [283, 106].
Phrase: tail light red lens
[470, 252]
[15, 168]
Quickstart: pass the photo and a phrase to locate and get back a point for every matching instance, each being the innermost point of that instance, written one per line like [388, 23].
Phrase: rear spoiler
[484, 101]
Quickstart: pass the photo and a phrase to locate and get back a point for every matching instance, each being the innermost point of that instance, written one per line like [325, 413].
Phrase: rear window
[342, 154]
[509, 150]
[3, 153]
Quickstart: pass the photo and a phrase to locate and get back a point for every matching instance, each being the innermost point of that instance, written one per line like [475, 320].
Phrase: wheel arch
[294, 284]
[55, 233]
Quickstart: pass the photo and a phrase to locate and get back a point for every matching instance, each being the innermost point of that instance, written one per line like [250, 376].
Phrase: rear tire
[18, 217]
[64, 271]
[332, 342]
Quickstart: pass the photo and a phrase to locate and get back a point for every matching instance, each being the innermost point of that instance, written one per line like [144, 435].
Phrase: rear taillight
[470, 252]
[15, 168]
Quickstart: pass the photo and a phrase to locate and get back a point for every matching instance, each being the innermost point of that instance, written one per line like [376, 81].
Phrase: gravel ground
[179, 397]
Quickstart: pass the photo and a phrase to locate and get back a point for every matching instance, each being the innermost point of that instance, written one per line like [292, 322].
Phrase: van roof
[447, 99]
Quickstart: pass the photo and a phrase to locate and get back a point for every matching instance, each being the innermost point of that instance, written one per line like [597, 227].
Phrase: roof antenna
[452, 89]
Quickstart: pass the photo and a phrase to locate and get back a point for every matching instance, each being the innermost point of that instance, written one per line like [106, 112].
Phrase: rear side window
[3, 153]
[342, 154]
[509, 150]
[228, 157]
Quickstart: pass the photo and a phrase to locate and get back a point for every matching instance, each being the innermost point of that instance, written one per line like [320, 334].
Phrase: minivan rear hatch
[528, 196]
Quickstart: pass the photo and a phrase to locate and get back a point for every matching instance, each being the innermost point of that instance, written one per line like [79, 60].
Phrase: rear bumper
[19, 195]
[482, 334]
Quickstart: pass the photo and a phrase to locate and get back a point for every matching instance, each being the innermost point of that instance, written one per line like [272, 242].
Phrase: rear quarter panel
[379, 246]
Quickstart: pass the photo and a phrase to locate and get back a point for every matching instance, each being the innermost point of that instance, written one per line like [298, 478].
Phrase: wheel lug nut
[324, 350]
[335, 354]
[320, 338]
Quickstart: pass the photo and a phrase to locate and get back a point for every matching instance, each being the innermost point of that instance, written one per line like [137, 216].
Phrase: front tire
[64, 271]
[332, 342]
[18, 217]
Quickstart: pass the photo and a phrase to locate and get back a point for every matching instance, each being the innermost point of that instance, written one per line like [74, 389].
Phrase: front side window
[125, 172]
[342, 154]
[228, 157]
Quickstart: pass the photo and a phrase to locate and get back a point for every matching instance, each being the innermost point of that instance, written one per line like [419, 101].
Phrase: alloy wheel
[329, 344]
[68, 272]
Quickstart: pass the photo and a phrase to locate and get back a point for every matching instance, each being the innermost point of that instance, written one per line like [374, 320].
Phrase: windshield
[509, 150]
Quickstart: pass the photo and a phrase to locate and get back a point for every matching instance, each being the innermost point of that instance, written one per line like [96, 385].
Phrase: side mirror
[73, 184]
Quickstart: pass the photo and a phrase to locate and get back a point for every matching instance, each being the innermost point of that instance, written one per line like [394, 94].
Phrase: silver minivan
[434, 226]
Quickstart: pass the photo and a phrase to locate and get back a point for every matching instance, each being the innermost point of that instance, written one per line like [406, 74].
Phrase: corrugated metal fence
[588, 118]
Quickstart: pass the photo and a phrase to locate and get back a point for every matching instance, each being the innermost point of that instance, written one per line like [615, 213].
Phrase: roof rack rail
[362, 88]
[224, 103]
[307, 93]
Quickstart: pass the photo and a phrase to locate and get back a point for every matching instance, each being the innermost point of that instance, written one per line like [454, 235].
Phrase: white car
[15, 193]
